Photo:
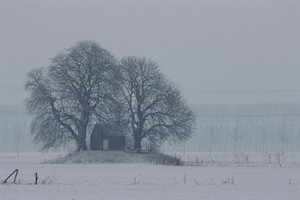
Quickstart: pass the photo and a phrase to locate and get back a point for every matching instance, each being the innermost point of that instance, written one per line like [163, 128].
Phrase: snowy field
[146, 181]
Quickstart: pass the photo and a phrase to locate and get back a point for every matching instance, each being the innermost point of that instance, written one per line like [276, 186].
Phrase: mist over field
[202, 98]
[229, 58]
[267, 127]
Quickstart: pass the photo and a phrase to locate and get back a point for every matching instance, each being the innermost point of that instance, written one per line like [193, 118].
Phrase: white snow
[146, 181]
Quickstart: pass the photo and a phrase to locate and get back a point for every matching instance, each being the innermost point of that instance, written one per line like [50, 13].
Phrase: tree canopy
[155, 106]
[65, 96]
[85, 85]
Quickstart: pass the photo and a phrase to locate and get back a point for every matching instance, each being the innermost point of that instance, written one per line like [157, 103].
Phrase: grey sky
[205, 46]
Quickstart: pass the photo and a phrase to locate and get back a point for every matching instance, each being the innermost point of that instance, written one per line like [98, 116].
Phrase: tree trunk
[137, 143]
[81, 146]
[81, 142]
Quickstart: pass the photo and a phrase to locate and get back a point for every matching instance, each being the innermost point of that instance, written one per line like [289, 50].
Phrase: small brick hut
[105, 139]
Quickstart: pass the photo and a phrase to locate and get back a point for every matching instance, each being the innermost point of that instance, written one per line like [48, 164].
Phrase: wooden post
[36, 178]
[16, 173]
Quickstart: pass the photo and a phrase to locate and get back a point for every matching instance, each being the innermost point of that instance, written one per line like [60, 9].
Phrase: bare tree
[236, 132]
[262, 124]
[286, 126]
[64, 96]
[155, 106]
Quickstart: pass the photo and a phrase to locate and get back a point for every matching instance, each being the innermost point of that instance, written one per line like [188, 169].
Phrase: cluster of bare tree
[86, 84]
[247, 128]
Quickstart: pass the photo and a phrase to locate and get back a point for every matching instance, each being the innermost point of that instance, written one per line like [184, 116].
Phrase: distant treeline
[14, 130]
[267, 127]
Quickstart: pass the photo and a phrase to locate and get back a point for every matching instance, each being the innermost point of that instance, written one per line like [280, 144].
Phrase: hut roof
[107, 130]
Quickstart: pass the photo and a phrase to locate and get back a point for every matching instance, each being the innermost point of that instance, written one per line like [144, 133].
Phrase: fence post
[36, 178]
[14, 172]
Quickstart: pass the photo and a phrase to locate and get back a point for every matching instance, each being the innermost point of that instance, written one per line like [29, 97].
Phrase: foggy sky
[216, 50]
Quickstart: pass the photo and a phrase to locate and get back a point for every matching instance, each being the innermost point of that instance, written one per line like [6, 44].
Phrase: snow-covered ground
[146, 181]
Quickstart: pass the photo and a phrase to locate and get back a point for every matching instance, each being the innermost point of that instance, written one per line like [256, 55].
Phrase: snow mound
[92, 157]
